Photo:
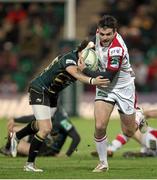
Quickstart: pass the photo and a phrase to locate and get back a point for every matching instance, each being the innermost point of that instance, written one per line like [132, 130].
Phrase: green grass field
[80, 165]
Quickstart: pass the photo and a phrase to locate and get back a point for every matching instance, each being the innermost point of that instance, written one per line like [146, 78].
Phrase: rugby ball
[90, 59]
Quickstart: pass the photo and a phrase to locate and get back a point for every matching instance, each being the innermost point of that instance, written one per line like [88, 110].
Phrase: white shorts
[124, 98]
[42, 112]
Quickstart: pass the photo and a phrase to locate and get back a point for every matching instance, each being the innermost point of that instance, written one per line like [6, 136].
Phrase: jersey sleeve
[107, 74]
[115, 54]
[69, 60]
[66, 125]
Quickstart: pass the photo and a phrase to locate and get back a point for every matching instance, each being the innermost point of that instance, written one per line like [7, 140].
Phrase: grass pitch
[80, 165]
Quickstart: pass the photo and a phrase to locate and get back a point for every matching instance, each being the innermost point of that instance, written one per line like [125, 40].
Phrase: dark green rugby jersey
[55, 78]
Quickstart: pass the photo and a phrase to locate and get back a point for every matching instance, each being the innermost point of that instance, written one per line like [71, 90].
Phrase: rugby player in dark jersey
[62, 128]
[43, 94]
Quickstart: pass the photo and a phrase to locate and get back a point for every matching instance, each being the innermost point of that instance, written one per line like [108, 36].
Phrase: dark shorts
[42, 98]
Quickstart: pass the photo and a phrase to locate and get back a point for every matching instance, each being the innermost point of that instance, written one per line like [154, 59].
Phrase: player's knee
[100, 126]
[45, 131]
[100, 132]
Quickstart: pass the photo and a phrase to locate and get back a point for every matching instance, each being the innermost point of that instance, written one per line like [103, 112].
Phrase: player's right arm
[108, 74]
[74, 135]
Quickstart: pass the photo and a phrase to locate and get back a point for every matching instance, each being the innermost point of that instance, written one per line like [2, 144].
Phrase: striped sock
[101, 146]
[34, 148]
[117, 143]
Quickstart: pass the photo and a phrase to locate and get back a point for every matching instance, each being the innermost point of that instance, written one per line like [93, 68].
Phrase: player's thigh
[43, 118]
[41, 104]
[125, 99]
[127, 121]
[45, 125]
[102, 112]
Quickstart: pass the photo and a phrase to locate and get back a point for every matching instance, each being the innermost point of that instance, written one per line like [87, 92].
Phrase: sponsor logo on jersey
[103, 94]
[116, 51]
[66, 125]
[38, 100]
[70, 61]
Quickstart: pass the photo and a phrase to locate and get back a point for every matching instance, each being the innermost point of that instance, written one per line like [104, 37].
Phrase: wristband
[90, 80]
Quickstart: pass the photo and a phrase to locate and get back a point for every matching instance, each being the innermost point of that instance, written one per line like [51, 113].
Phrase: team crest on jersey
[70, 61]
[116, 51]
[115, 62]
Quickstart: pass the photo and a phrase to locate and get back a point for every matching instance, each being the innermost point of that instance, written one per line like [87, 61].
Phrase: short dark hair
[108, 21]
[82, 45]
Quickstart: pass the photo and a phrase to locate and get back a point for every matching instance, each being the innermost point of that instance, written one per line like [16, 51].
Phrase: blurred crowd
[26, 35]
[27, 31]
[137, 25]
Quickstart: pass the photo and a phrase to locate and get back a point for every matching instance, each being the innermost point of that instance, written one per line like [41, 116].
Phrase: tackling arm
[75, 72]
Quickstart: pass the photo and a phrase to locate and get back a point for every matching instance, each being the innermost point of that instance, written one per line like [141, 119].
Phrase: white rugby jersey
[115, 58]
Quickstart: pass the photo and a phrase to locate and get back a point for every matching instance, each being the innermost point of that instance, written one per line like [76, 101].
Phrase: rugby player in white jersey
[113, 64]
[147, 140]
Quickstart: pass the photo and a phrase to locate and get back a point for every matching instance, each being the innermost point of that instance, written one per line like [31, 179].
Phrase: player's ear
[114, 30]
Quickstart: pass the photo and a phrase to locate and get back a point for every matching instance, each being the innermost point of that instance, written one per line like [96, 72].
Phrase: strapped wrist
[90, 80]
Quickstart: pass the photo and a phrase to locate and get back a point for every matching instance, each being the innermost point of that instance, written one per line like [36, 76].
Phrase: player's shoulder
[118, 46]
[72, 53]
[70, 57]
[118, 41]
